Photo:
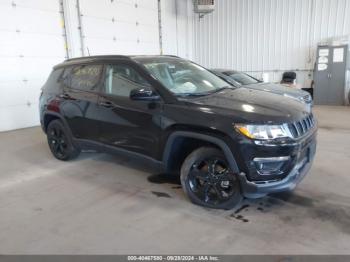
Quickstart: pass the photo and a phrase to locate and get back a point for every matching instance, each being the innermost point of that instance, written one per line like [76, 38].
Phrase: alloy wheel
[212, 181]
[58, 142]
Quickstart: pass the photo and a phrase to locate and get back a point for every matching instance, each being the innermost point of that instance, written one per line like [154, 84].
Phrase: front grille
[299, 128]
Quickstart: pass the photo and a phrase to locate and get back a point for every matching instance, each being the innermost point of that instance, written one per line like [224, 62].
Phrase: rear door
[81, 84]
[125, 123]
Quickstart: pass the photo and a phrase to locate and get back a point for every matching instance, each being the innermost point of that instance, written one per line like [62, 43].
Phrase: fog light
[270, 165]
[225, 184]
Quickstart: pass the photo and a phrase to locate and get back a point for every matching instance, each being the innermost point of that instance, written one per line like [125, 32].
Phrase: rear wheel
[208, 181]
[59, 141]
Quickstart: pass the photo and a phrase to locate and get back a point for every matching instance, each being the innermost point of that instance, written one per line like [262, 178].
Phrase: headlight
[306, 98]
[263, 131]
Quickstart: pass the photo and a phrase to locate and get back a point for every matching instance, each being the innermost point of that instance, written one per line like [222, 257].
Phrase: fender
[214, 140]
[64, 121]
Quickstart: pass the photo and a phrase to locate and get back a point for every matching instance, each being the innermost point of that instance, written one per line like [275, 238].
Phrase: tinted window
[84, 77]
[243, 79]
[53, 82]
[121, 79]
[227, 78]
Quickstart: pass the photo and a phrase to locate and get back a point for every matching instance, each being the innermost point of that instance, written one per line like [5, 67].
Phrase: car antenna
[88, 50]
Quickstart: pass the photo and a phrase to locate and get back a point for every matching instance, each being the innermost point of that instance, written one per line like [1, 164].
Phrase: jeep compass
[225, 142]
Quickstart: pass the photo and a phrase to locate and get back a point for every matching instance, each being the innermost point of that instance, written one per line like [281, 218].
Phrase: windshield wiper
[205, 93]
[192, 94]
[220, 89]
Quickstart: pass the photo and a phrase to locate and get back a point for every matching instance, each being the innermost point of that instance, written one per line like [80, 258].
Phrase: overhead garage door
[120, 27]
[31, 43]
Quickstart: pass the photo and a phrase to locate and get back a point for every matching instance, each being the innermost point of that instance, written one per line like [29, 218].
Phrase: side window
[121, 79]
[83, 77]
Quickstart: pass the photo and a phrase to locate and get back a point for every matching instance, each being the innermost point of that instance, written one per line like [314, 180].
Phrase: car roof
[104, 58]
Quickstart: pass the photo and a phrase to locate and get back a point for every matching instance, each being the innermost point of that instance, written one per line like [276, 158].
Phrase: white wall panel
[169, 26]
[177, 28]
[31, 43]
[268, 35]
[19, 116]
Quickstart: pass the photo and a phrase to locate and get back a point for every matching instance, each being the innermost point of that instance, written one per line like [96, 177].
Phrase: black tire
[60, 142]
[208, 181]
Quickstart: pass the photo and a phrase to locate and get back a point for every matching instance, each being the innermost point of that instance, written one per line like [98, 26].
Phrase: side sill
[85, 144]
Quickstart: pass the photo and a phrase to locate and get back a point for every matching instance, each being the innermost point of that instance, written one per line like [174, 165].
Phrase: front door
[125, 123]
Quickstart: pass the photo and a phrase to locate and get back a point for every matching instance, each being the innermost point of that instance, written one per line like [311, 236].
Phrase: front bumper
[257, 189]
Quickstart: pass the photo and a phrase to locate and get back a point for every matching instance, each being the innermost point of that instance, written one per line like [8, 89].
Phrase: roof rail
[95, 57]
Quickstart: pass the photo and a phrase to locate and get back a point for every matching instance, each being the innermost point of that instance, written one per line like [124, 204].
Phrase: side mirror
[144, 93]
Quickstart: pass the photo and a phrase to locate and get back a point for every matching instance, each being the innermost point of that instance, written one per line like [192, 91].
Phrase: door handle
[65, 96]
[106, 104]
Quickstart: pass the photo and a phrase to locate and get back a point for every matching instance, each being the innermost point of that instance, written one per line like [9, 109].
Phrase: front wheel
[208, 181]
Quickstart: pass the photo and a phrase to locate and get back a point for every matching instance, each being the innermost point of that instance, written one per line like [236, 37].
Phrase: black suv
[225, 142]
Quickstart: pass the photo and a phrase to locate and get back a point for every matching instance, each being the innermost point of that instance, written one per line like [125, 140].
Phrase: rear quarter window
[53, 82]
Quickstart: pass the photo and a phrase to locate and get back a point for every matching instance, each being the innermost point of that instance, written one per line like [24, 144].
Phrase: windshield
[185, 78]
[242, 78]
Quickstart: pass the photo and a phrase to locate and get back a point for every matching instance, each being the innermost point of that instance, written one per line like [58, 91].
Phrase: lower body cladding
[282, 172]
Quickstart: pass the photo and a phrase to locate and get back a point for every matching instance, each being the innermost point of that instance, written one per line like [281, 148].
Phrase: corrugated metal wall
[268, 35]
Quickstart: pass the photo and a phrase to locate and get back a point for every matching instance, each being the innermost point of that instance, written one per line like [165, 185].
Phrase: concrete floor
[102, 204]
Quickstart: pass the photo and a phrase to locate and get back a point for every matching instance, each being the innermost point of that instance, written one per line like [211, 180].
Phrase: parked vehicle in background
[238, 79]
[226, 143]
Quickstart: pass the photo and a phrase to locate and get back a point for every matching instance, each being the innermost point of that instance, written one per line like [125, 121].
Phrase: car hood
[251, 106]
[279, 89]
